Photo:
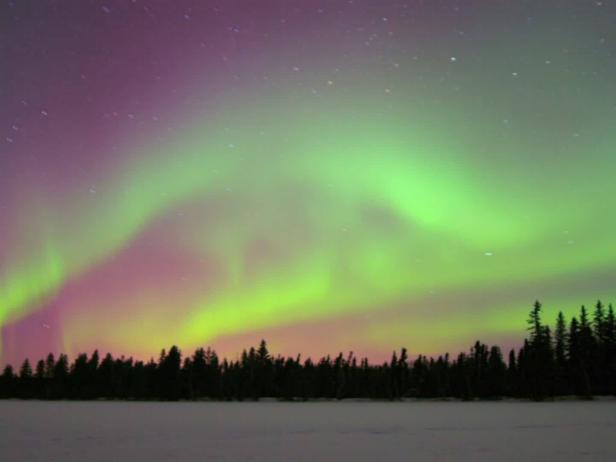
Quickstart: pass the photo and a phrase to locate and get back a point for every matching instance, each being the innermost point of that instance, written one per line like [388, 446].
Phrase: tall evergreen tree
[199, 375]
[7, 382]
[263, 371]
[50, 363]
[26, 389]
[560, 353]
[599, 360]
[512, 374]
[535, 327]
[587, 353]
[169, 367]
[578, 375]
[599, 322]
[560, 339]
[497, 373]
[540, 358]
[60, 377]
[610, 351]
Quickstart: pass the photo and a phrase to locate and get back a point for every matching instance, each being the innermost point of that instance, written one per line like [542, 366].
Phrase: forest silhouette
[575, 358]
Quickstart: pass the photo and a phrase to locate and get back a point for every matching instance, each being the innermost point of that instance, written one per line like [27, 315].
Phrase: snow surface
[314, 431]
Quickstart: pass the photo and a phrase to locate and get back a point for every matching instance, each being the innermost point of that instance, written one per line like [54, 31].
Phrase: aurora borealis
[328, 175]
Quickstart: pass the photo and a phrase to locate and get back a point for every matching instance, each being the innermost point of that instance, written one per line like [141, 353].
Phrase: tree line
[577, 357]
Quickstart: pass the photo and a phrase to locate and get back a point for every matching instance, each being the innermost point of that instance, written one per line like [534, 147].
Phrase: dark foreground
[314, 431]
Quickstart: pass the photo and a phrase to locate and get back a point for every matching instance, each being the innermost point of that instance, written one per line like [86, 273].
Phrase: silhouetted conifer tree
[40, 381]
[539, 357]
[26, 381]
[512, 375]
[497, 373]
[599, 359]
[7, 383]
[610, 350]
[587, 354]
[60, 378]
[169, 374]
[263, 372]
[560, 355]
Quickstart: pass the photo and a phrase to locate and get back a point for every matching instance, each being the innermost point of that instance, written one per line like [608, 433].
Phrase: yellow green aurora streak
[364, 200]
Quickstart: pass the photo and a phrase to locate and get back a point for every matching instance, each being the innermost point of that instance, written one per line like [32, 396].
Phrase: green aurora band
[376, 208]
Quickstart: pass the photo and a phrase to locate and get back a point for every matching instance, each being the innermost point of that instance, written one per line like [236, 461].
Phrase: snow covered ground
[315, 431]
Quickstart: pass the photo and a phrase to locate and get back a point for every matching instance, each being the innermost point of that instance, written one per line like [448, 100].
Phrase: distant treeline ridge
[575, 358]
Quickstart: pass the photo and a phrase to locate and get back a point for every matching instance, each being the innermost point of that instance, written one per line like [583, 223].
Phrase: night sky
[328, 175]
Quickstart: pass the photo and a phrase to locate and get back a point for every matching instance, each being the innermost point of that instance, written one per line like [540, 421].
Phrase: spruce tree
[60, 378]
[512, 374]
[169, 373]
[599, 359]
[7, 383]
[540, 358]
[534, 322]
[560, 340]
[560, 352]
[610, 348]
[199, 373]
[25, 380]
[587, 353]
[497, 373]
[599, 322]
[41, 388]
